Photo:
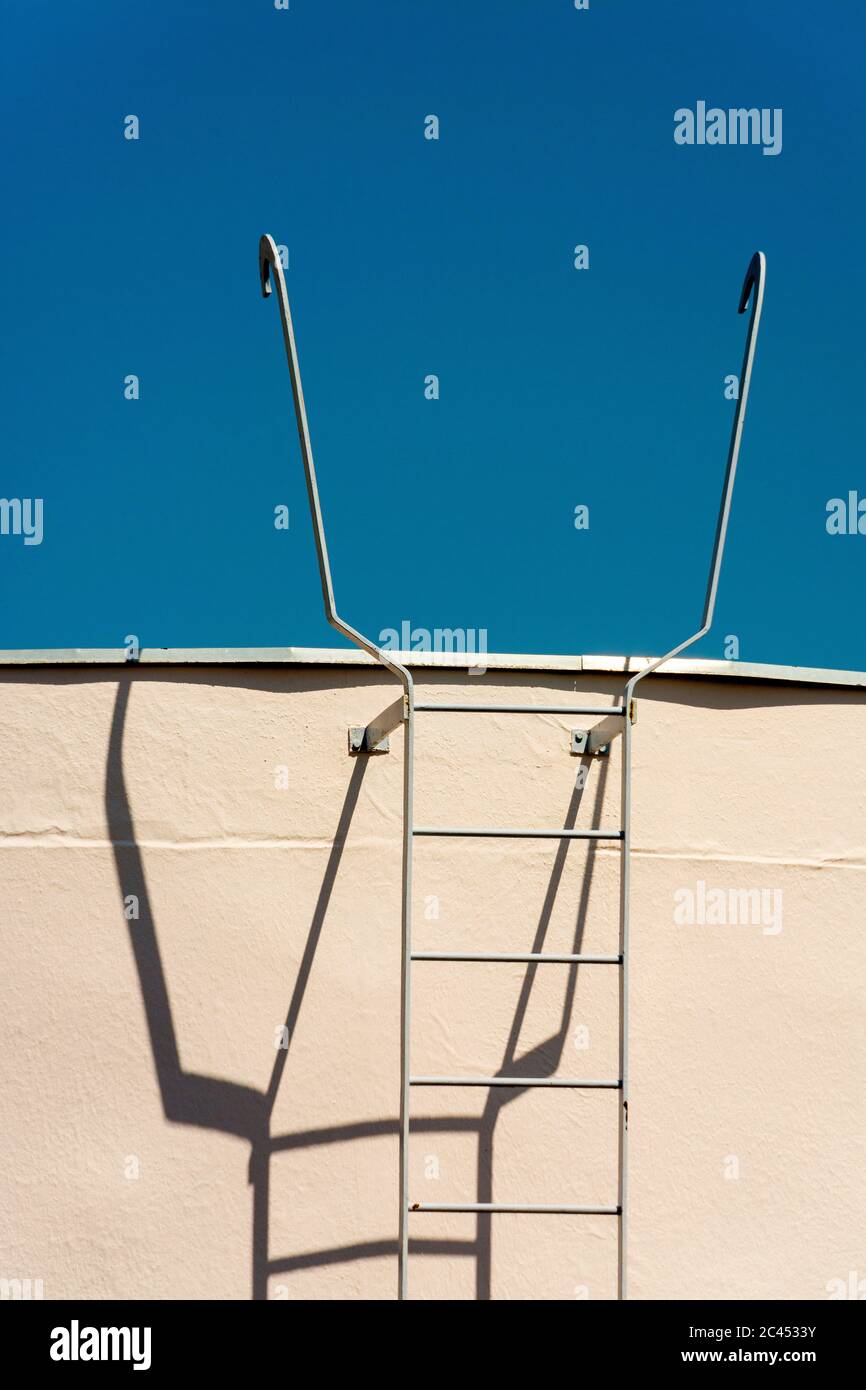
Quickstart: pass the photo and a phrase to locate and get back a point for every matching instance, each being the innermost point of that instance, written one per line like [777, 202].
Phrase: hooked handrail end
[267, 258]
[754, 277]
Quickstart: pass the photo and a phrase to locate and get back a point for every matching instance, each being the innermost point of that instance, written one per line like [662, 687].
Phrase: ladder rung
[471, 830]
[516, 1081]
[541, 957]
[519, 1207]
[520, 709]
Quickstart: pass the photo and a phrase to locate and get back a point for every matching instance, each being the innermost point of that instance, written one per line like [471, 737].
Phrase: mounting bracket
[367, 740]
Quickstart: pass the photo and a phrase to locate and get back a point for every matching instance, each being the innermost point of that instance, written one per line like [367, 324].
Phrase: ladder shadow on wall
[209, 1102]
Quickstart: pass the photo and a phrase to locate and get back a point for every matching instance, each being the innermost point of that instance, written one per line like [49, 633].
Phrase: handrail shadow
[215, 1103]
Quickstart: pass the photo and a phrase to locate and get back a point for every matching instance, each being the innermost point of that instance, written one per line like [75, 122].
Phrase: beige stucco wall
[157, 1144]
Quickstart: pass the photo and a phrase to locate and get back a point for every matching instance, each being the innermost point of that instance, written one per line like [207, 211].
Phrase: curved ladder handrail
[271, 269]
[753, 286]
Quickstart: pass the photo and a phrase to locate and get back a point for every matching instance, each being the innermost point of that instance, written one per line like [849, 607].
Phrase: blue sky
[410, 257]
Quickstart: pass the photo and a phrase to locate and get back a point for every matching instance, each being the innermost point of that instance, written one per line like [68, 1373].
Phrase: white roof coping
[492, 661]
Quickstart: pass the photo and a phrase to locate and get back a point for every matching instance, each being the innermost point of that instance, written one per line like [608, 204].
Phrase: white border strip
[455, 661]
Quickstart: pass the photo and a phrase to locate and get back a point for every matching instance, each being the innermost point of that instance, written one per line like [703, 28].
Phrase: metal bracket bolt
[580, 745]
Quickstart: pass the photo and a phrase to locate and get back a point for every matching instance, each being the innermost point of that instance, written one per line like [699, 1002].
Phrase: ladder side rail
[753, 286]
[271, 270]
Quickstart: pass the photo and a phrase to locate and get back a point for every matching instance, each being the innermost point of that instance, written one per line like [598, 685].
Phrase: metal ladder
[617, 721]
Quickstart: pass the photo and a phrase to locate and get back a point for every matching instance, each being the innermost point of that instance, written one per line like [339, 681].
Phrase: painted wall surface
[158, 1142]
